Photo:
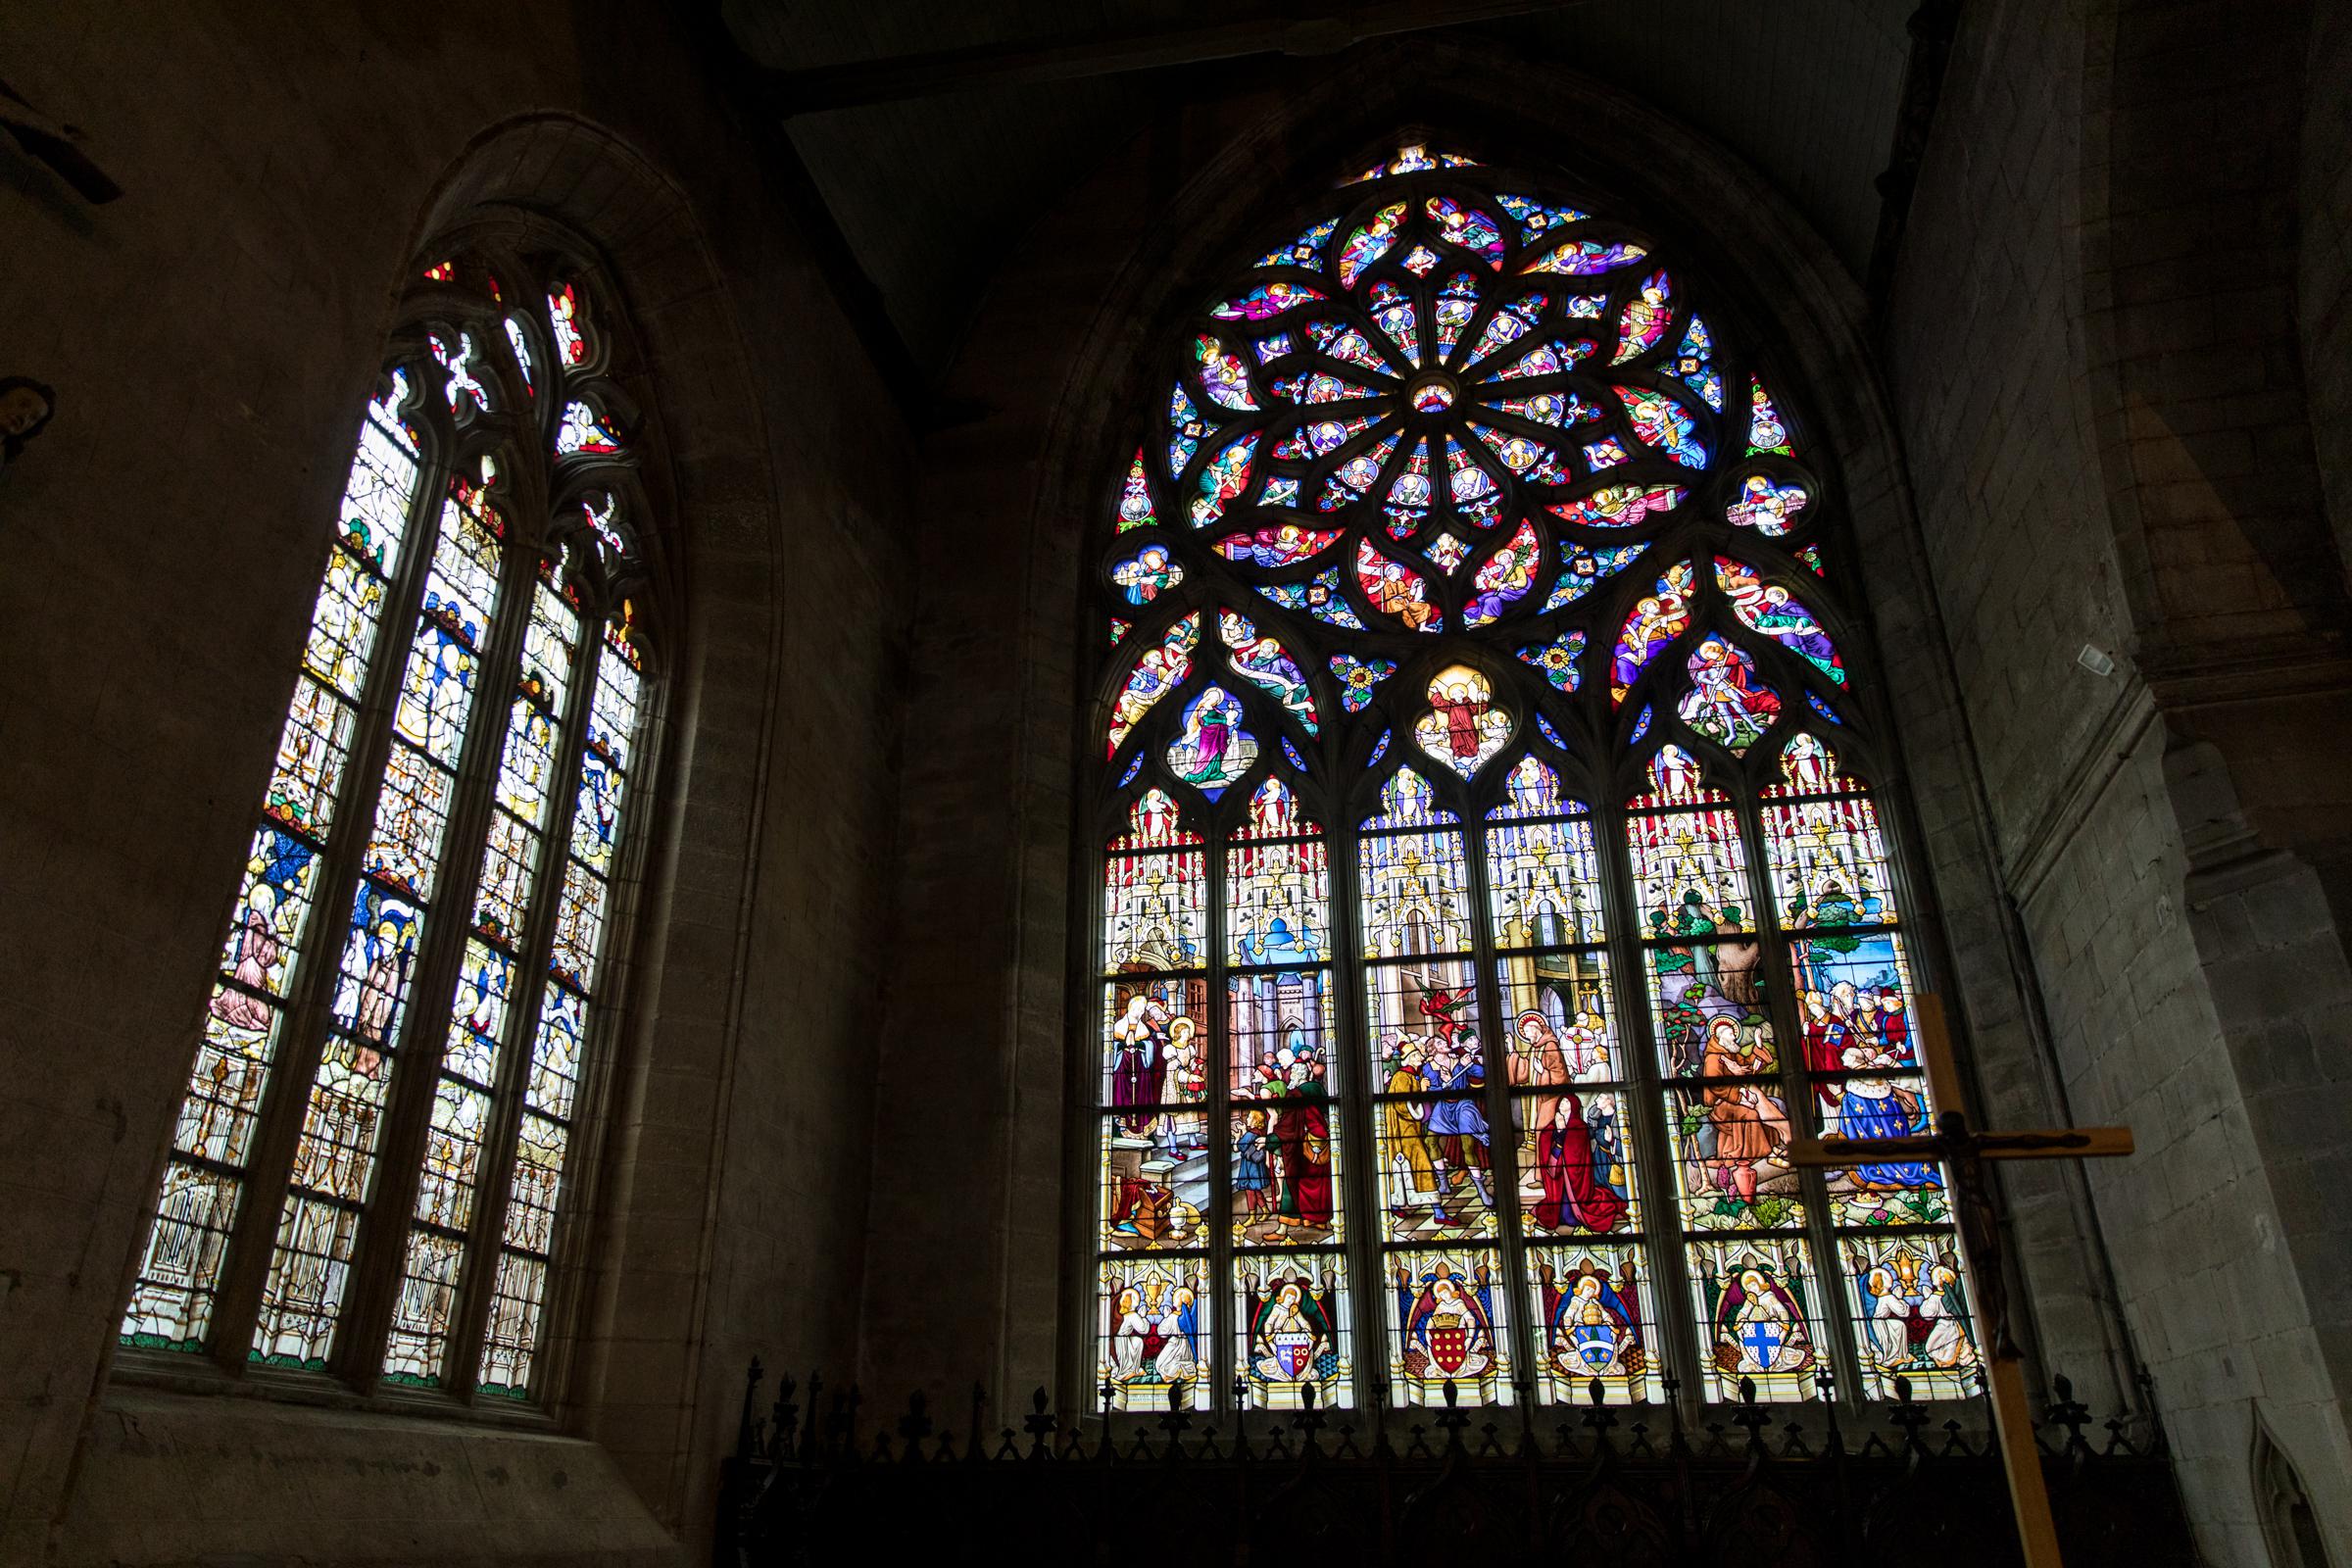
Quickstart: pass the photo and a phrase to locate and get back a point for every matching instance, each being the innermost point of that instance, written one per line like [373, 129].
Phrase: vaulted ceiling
[1806, 90]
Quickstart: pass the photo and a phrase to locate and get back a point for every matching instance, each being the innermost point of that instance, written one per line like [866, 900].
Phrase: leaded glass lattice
[369, 1169]
[1491, 889]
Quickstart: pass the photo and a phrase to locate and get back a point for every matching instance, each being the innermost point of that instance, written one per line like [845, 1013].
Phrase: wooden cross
[1964, 1151]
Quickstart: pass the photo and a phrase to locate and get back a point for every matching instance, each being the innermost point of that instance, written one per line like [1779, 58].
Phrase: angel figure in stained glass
[1156, 1336]
[1291, 1337]
[1944, 1310]
[1913, 1315]
[1448, 1331]
[1644, 316]
[1589, 1330]
[1759, 1326]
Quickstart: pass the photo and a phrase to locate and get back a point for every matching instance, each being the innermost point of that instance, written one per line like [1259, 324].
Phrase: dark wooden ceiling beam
[1028, 64]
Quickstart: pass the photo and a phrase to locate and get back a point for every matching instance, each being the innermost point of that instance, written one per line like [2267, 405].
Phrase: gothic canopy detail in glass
[377, 1138]
[1490, 886]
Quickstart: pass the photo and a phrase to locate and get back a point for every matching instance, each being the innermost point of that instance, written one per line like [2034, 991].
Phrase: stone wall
[214, 335]
[1050, 385]
[2093, 346]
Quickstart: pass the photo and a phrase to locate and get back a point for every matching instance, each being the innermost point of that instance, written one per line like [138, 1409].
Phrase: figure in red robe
[1573, 1197]
[1463, 712]
[1303, 1135]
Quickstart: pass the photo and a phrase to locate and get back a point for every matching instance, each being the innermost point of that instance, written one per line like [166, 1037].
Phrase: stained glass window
[1491, 886]
[369, 1172]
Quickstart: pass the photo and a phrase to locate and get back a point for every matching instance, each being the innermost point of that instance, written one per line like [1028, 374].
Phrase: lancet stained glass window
[378, 1133]
[1492, 887]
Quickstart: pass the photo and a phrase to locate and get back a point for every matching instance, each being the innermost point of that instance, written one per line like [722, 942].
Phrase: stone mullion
[1350, 1031]
[1214, 849]
[469, 1314]
[1503, 1147]
[1673, 1320]
[309, 1004]
[380, 1253]
[1779, 987]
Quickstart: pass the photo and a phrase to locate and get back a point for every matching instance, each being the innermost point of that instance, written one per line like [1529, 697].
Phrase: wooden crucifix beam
[1103, 54]
[1964, 1149]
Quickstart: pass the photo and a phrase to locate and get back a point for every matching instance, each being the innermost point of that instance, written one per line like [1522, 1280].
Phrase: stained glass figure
[1135, 499]
[1645, 318]
[1652, 626]
[1393, 310]
[1211, 749]
[1284, 545]
[1660, 421]
[1153, 1326]
[1767, 506]
[1585, 258]
[1148, 574]
[1911, 1315]
[1395, 589]
[1765, 430]
[1223, 376]
[1157, 1049]
[1504, 578]
[1463, 726]
[424, 547]
[1770, 609]
[1541, 1043]
[1589, 1303]
[1158, 671]
[1261, 658]
[1756, 1308]
[1155, 892]
[1467, 228]
[1457, 302]
[1448, 1324]
[1624, 506]
[1369, 242]
[1226, 476]
[1292, 1330]
[1269, 300]
[1727, 701]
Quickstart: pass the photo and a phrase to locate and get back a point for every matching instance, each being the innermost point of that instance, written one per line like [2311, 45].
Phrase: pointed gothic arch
[1476, 542]
[375, 1173]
